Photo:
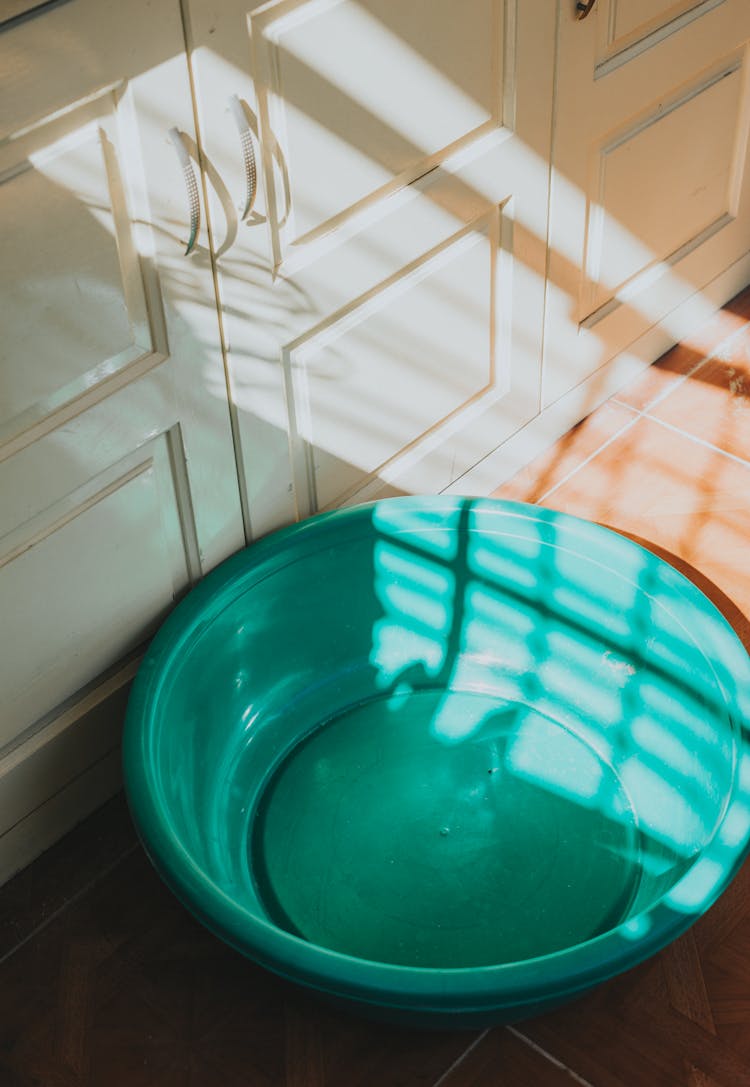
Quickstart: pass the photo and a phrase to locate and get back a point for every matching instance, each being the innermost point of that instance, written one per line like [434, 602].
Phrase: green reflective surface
[449, 760]
[419, 852]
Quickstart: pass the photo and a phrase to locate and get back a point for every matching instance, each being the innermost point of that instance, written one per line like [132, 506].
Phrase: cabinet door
[650, 195]
[382, 300]
[117, 480]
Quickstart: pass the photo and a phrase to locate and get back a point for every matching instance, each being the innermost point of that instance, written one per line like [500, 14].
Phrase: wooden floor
[105, 980]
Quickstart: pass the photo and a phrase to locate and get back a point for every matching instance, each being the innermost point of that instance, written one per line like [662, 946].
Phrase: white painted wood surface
[650, 193]
[382, 306]
[117, 477]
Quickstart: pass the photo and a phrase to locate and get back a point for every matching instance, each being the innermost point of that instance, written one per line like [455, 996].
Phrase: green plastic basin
[449, 761]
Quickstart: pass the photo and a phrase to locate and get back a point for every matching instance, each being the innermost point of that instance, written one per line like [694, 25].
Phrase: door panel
[85, 581]
[355, 105]
[391, 356]
[72, 299]
[382, 303]
[117, 476]
[624, 24]
[650, 194]
[656, 181]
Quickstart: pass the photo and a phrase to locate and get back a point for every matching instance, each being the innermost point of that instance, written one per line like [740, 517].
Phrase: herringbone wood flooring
[122, 988]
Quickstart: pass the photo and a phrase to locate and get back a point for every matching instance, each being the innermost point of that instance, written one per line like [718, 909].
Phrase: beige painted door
[650, 196]
[382, 300]
[117, 478]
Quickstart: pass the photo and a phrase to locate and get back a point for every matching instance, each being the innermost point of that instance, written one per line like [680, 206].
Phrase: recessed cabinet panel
[368, 300]
[650, 194]
[354, 95]
[85, 581]
[662, 182]
[72, 303]
[626, 22]
[376, 378]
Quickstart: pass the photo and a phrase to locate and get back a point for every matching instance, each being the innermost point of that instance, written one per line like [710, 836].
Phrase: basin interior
[425, 854]
[448, 738]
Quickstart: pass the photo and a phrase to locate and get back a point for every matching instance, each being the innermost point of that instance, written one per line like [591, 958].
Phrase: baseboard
[39, 830]
[61, 773]
[557, 419]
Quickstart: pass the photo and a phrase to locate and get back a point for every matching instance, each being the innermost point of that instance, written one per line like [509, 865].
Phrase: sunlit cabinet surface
[382, 297]
[117, 477]
[415, 231]
[650, 193]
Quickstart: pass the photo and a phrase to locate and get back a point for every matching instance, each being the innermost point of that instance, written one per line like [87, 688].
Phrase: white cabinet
[649, 214]
[117, 477]
[650, 196]
[370, 306]
[383, 302]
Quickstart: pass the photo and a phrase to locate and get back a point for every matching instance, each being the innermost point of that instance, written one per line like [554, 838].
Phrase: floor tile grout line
[680, 379]
[696, 439]
[728, 340]
[645, 413]
[672, 387]
[677, 383]
[68, 902]
[462, 1057]
[587, 460]
[548, 1056]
